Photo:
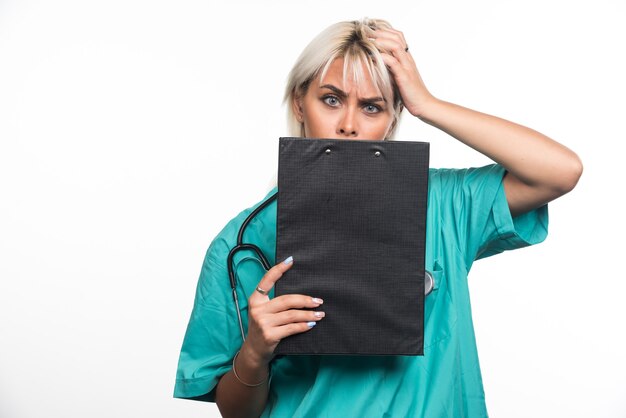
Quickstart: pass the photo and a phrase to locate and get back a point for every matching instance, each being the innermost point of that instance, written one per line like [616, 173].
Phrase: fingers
[391, 41]
[272, 320]
[281, 303]
[395, 55]
[265, 330]
[271, 336]
[263, 337]
[282, 311]
[271, 277]
[397, 34]
[292, 317]
[260, 304]
[392, 63]
[394, 52]
[286, 302]
[292, 329]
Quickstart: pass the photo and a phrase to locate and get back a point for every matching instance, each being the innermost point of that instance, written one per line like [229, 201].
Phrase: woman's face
[337, 111]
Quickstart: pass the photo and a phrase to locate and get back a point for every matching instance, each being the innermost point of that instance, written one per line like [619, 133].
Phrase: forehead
[355, 77]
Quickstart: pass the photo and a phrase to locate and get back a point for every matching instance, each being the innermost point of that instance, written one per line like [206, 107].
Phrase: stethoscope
[429, 281]
[241, 246]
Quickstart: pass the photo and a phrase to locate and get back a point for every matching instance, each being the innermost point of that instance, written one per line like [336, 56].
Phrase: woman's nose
[348, 124]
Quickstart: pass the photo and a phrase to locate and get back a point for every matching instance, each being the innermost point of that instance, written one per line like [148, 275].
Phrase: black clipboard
[353, 215]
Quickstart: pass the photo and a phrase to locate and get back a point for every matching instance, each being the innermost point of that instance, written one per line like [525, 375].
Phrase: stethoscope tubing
[251, 247]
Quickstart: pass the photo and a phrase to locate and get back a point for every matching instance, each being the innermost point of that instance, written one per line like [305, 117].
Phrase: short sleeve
[503, 233]
[474, 201]
[213, 336]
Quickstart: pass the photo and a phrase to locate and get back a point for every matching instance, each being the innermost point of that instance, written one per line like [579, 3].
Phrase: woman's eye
[370, 108]
[331, 100]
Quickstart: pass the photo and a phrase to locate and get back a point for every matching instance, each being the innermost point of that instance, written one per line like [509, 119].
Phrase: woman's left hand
[394, 50]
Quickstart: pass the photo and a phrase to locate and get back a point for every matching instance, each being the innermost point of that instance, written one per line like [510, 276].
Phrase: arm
[539, 169]
[269, 321]
[235, 399]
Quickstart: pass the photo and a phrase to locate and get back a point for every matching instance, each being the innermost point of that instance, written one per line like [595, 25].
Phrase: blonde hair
[351, 41]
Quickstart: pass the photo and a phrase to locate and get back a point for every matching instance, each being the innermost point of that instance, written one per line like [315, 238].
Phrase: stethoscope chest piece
[429, 283]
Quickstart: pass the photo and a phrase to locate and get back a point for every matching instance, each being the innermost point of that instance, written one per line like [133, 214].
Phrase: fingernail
[317, 300]
[311, 324]
[319, 314]
[288, 260]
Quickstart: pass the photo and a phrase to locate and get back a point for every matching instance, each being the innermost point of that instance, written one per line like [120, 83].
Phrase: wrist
[244, 381]
[431, 110]
[423, 107]
[251, 366]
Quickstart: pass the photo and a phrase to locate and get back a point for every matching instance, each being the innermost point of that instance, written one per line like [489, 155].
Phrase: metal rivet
[377, 154]
[327, 150]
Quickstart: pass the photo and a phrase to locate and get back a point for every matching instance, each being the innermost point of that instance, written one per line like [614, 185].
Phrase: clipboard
[352, 213]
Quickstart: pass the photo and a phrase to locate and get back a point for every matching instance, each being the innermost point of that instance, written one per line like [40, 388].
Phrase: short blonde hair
[351, 41]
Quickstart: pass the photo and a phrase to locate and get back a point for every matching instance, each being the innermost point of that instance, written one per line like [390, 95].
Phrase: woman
[352, 82]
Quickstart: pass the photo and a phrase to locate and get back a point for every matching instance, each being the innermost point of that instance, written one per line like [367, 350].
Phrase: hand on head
[395, 52]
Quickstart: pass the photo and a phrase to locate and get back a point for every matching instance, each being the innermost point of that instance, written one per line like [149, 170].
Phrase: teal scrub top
[468, 218]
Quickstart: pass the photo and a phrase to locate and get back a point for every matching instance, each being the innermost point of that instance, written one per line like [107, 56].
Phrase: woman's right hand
[243, 391]
[271, 320]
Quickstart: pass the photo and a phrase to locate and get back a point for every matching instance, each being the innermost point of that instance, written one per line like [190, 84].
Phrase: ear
[296, 106]
[396, 117]
[391, 128]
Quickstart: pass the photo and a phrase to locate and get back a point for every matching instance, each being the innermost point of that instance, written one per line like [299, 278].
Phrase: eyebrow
[343, 94]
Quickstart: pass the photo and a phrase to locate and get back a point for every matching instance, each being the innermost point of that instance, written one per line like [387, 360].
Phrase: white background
[132, 131]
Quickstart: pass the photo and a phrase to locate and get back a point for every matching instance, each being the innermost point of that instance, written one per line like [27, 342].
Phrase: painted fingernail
[319, 314]
[311, 324]
[317, 300]
[288, 260]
